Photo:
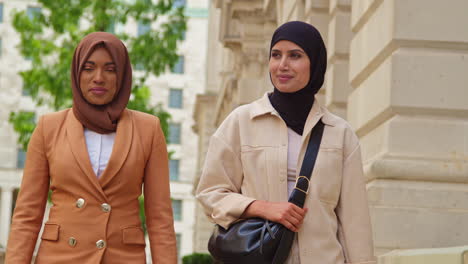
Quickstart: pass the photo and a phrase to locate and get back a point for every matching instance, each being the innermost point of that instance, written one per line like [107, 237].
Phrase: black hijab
[295, 107]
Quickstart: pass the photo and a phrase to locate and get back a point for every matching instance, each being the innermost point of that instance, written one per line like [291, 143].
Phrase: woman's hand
[285, 213]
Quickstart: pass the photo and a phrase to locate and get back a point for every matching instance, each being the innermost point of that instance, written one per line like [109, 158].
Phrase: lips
[284, 77]
[98, 90]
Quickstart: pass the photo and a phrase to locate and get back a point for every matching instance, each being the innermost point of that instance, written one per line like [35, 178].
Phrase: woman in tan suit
[255, 155]
[95, 157]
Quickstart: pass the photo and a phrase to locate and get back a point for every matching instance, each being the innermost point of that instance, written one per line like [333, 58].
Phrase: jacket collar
[122, 143]
[121, 148]
[263, 106]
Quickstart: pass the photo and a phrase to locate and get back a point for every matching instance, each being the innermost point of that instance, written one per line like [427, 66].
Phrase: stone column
[409, 104]
[290, 10]
[243, 29]
[204, 127]
[339, 37]
[316, 13]
[253, 54]
[5, 213]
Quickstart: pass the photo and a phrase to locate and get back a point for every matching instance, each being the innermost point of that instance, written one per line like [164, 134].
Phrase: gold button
[101, 244]
[80, 202]
[105, 207]
[72, 242]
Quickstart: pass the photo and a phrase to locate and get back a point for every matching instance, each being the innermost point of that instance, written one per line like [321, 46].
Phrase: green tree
[49, 35]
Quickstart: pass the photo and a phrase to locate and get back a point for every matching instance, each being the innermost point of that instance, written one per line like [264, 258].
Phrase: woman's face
[289, 67]
[98, 78]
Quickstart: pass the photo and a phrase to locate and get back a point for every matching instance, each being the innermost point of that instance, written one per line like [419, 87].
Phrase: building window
[1, 12]
[25, 91]
[175, 98]
[179, 3]
[184, 33]
[177, 209]
[174, 133]
[15, 197]
[139, 66]
[174, 169]
[20, 158]
[111, 27]
[179, 66]
[21, 153]
[33, 12]
[178, 243]
[143, 28]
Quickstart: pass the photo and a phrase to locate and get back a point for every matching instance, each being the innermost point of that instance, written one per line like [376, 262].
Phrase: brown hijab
[101, 118]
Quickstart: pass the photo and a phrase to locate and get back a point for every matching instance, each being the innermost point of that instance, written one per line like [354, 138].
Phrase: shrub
[198, 258]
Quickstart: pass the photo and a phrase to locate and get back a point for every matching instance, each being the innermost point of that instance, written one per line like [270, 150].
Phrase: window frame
[2, 7]
[177, 217]
[171, 135]
[20, 158]
[177, 176]
[179, 66]
[179, 3]
[179, 101]
[143, 28]
[31, 11]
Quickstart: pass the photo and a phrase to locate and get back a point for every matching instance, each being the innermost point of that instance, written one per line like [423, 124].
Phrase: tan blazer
[247, 160]
[94, 220]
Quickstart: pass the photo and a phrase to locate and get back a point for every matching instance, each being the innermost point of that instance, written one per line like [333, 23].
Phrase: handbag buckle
[299, 189]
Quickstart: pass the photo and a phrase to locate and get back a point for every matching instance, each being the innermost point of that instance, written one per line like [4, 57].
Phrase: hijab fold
[295, 107]
[101, 118]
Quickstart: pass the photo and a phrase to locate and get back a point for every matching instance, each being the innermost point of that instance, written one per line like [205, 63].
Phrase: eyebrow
[294, 50]
[106, 64]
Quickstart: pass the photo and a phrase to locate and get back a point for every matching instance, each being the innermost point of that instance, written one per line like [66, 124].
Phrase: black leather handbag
[257, 240]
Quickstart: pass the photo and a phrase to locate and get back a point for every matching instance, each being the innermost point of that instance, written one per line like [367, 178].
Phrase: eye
[88, 67]
[295, 55]
[275, 54]
[111, 69]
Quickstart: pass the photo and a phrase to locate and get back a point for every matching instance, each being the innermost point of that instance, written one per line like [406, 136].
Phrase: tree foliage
[48, 38]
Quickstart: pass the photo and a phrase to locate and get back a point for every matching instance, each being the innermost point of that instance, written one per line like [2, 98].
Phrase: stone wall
[408, 64]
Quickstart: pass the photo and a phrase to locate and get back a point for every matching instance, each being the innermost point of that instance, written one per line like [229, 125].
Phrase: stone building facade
[397, 71]
[12, 98]
[176, 90]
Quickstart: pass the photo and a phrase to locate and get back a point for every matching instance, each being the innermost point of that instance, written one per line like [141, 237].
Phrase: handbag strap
[301, 189]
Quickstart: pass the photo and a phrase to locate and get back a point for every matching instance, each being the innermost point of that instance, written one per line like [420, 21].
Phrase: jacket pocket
[133, 235]
[327, 176]
[254, 169]
[50, 232]
[254, 162]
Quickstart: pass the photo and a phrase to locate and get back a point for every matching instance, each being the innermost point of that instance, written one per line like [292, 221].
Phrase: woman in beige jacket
[255, 155]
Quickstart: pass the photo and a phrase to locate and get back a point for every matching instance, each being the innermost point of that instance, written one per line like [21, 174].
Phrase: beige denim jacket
[247, 160]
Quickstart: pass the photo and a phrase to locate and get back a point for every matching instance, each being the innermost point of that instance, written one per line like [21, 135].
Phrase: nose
[283, 63]
[98, 77]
